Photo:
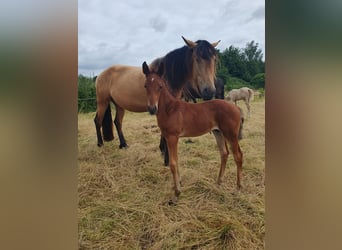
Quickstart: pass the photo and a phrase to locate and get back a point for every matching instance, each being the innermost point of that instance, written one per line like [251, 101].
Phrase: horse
[244, 93]
[177, 118]
[124, 85]
[191, 94]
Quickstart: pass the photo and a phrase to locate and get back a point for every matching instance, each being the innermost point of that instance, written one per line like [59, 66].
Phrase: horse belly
[128, 91]
[197, 127]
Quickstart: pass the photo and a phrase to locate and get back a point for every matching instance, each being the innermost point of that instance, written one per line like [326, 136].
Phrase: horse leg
[172, 144]
[164, 150]
[222, 145]
[98, 130]
[238, 158]
[118, 124]
[248, 108]
[100, 113]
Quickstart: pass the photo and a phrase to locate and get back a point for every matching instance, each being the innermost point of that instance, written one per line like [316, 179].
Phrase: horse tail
[251, 94]
[242, 119]
[107, 125]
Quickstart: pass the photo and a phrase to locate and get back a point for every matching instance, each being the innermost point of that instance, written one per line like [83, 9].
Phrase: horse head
[204, 58]
[153, 86]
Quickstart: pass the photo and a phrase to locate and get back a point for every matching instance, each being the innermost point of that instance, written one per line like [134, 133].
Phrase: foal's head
[153, 85]
[204, 58]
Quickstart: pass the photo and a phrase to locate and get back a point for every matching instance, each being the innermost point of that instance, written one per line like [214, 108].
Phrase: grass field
[124, 193]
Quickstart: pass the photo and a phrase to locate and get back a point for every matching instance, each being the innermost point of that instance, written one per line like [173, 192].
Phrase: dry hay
[123, 194]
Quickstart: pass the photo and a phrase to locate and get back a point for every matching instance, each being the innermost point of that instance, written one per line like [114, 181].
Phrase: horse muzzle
[152, 109]
[208, 94]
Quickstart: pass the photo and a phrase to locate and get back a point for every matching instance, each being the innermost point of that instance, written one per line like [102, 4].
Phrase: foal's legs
[248, 107]
[164, 150]
[238, 158]
[222, 145]
[172, 143]
[118, 124]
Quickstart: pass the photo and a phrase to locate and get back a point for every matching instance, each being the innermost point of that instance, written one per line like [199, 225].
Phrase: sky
[130, 32]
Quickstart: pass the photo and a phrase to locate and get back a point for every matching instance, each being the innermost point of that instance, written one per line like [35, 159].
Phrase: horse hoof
[173, 201]
[188, 141]
[100, 145]
[124, 145]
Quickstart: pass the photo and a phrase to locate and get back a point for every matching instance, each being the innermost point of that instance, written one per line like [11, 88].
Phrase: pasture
[123, 194]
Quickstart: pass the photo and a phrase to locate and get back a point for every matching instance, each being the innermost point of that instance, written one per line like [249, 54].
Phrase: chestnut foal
[177, 118]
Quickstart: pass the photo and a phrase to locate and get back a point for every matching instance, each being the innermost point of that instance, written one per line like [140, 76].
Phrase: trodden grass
[124, 193]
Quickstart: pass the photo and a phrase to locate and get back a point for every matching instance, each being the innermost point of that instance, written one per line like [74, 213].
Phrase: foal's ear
[145, 68]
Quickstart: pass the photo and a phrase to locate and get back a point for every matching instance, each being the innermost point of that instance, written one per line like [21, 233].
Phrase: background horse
[124, 85]
[177, 118]
[244, 93]
[191, 94]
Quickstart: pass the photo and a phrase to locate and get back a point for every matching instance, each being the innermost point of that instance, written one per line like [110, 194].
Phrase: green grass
[124, 193]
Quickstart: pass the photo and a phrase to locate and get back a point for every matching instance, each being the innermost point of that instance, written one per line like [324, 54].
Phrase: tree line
[238, 67]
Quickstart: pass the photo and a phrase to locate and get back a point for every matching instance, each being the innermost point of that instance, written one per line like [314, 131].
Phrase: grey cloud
[158, 23]
[130, 32]
[258, 14]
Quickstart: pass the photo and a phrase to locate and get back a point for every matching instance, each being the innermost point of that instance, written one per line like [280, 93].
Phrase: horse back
[124, 85]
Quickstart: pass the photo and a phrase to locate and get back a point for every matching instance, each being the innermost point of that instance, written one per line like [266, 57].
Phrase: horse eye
[145, 86]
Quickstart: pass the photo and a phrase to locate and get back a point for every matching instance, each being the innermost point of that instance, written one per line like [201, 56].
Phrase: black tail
[242, 119]
[107, 125]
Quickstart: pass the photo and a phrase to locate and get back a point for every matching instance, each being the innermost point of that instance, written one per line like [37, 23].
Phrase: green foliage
[258, 81]
[241, 63]
[235, 83]
[86, 94]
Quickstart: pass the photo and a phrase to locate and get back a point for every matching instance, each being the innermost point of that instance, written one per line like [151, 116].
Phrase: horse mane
[155, 64]
[205, 49]
[178, 67]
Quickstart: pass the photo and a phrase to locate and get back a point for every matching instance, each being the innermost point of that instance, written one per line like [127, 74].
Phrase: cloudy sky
[132, 31]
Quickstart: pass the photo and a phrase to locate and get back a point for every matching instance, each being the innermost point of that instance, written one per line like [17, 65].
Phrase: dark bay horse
[191, 94]
[177, 118]
[124, 85]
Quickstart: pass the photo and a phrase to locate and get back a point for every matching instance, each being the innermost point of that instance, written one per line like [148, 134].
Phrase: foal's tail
[242, 119]
[107, 125]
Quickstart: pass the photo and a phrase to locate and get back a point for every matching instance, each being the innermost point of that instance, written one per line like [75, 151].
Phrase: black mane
[178, 67]
[205, 50]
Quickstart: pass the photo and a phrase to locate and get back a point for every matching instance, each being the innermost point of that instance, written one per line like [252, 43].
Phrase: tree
[253, 56]
[241, 63]
[258, 81]
[86, 94]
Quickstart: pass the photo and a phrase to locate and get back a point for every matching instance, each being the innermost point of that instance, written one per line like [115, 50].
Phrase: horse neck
[166, 99]
[176, 93]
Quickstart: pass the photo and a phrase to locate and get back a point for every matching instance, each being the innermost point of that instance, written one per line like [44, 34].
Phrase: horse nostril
[208, 94]
[152, 110]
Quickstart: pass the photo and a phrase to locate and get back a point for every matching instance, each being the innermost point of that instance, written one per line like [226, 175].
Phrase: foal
[177, 118]
[244, 93]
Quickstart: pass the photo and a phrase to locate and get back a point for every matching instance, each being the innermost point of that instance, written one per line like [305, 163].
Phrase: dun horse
[177, 118]
[124, 85]
[244, 93]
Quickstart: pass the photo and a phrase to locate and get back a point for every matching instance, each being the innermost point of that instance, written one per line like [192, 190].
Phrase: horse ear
[216, 43]
[161, 69]
[190, 43]
[145, 68]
